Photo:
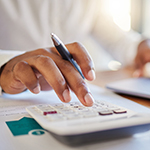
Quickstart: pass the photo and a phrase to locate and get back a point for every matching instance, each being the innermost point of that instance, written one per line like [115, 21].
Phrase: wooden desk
[102, 78]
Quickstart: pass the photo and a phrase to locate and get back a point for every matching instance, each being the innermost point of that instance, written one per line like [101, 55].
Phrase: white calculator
[74, 124]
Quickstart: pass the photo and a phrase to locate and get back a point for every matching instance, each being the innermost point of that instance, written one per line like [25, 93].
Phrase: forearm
[5, 56]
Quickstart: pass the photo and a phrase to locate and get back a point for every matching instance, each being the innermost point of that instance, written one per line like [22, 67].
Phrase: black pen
[63, 51]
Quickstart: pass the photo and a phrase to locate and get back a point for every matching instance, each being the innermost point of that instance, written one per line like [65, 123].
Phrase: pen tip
[52, 34]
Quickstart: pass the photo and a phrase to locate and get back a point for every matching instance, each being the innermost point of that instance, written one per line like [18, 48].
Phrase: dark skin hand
[44, 69]
[142, 57]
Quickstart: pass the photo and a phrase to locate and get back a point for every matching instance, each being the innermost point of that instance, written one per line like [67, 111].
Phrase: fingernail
[89, 99]
[91, 74]
[66, 95]
[37, 89]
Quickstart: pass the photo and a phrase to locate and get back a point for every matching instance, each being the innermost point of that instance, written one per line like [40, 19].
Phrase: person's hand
[36, 69]
[142, 57]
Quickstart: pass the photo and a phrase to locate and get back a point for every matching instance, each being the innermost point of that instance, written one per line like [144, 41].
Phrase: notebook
[133, 86]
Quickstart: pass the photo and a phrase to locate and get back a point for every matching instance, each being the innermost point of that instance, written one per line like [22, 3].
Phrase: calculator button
[63, 109]
[120, 111]
[67, 112]
[89, 114]
[73, 116]
[49, 112]
[82, 109]
[105, 112]
[59, 105]
[45, 109]
[77, 107]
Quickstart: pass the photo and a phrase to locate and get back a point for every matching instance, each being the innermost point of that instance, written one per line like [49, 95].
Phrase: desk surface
[13, 110]
[104, 77]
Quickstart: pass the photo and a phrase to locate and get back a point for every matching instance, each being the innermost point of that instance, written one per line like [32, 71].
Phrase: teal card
[24, 126]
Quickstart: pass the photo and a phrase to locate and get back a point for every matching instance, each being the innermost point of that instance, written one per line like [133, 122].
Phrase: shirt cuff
[6, 55]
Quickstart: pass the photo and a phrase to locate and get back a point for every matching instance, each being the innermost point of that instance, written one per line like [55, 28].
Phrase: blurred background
[127, 14]
[98, 24]
[132, 14]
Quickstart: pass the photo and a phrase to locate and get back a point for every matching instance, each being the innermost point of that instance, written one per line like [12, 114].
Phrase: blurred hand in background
[142, 59]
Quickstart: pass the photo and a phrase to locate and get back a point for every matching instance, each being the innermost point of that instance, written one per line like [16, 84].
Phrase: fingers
[141, 59]
[73, 78]
[23, 72]
[62, 74]
[141, 65]
[83, 59]
[46, 66]
[138, 72]
[28, 68]
[76, 83]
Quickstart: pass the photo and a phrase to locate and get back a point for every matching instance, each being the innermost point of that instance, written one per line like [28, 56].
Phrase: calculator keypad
[75, 110]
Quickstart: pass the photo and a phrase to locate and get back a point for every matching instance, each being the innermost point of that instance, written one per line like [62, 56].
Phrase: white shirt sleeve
[5, 56]
[120, 44]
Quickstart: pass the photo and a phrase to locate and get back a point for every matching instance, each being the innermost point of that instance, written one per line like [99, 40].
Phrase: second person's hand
[142, 57]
